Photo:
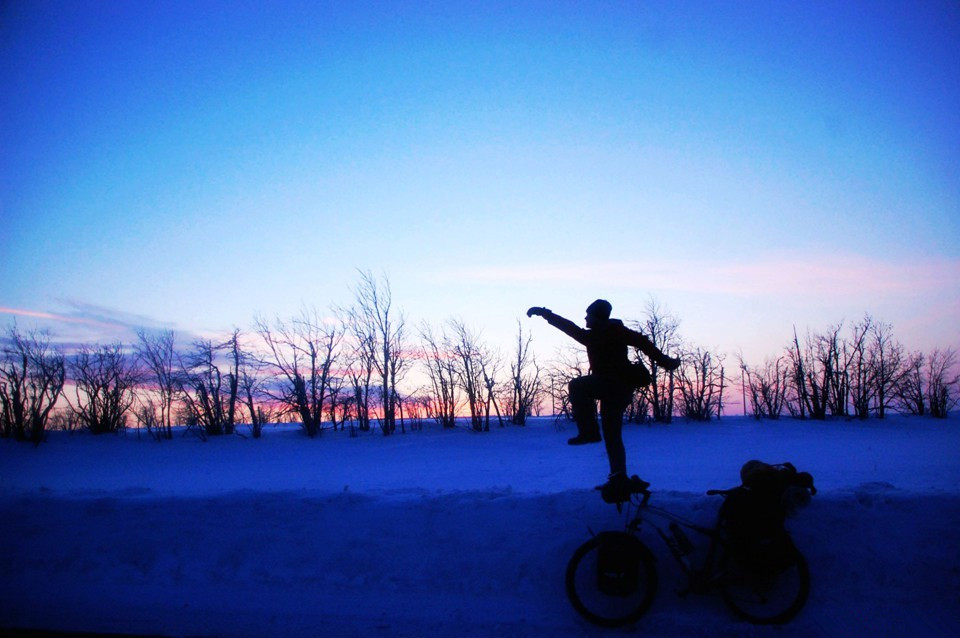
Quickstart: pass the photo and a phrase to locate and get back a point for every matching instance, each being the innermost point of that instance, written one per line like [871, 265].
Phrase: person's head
[598, 312]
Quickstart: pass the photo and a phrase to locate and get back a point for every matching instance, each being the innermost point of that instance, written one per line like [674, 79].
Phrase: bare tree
[797, 403]
[701, 384]
[381, 330]
[470, 357]
[911, 391]
[342, 404]
[302, 352]
[639, 410]
[812, 373]
[418, 406]
[237, 359]
[525, 382]
[861, 369]
[338, 400]
[490, 366]
[838, 395]
[146, 411]
[63, 420]
[929, 384]
[104, 380]
[826, 357]
[662, 328]
[570, 363]
[250, 374]
[943, 382]
[767, 387]
[32, 374]
[886, 358]
[396, 371]
[209, 386]
[157, 355]
[251, 388]
[359, 374]
[437, 355]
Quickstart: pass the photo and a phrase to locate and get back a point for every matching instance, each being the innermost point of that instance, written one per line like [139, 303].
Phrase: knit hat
[600, 308]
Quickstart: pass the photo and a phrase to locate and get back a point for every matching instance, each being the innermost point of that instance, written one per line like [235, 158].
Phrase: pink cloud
[820, 275]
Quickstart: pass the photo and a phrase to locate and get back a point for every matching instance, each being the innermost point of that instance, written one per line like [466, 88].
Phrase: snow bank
[453, 533]
[909, 453]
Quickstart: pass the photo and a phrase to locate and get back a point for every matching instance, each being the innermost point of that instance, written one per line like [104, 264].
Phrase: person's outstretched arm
[562, 324]
[647, 347]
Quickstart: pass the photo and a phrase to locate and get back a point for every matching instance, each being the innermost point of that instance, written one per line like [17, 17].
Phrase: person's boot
[584, 439]
[618, 487]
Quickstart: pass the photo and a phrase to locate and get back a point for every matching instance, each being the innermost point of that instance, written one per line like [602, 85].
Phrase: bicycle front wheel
[766, 599]
[611, 579]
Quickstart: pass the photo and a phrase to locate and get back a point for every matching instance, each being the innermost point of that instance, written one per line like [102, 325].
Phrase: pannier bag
[618, 567]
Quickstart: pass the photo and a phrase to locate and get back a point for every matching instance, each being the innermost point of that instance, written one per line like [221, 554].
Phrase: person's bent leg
[583, 404]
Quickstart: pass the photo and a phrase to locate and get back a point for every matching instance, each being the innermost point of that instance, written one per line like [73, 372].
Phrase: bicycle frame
[639, 511]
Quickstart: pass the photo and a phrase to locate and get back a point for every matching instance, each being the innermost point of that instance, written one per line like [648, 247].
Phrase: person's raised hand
[670, 363]
[538, 311]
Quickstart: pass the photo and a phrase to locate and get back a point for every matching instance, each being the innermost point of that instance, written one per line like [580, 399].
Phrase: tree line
[858, 373]
[351, 369]
[344, 369]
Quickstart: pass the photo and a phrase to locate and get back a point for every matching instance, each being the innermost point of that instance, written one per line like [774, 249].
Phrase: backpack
[753, 514]
[638, 376]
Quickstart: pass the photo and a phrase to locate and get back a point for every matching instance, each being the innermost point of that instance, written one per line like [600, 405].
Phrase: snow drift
[454, 533]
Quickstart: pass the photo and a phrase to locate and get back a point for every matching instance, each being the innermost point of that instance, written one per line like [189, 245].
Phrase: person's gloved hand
[538, 311]
[670, 363]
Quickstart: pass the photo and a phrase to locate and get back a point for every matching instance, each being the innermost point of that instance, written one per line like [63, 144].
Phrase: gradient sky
[751, 165]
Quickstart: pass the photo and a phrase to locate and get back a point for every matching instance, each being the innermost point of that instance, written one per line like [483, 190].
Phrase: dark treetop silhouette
[612, 381]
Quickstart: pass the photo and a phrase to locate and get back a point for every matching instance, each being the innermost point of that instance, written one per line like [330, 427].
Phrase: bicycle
[611, 579]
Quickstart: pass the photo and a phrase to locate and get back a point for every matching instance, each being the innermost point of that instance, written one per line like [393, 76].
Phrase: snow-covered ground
[440, 533]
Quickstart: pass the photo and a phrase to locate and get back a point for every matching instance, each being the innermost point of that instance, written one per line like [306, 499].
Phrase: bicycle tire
[766, 599]
[611, 596]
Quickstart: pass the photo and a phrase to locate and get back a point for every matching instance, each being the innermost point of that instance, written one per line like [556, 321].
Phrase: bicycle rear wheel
[766, 599]
[611, 579]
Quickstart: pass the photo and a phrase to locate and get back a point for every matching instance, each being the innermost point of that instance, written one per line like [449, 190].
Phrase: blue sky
[751, 165]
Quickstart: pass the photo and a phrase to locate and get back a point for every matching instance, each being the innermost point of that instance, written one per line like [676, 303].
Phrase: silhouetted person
[612, 381]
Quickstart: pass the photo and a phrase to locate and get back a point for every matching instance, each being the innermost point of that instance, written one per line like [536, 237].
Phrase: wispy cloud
[80, 322]
[83, 311]
[822, 275]
[50, 316]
